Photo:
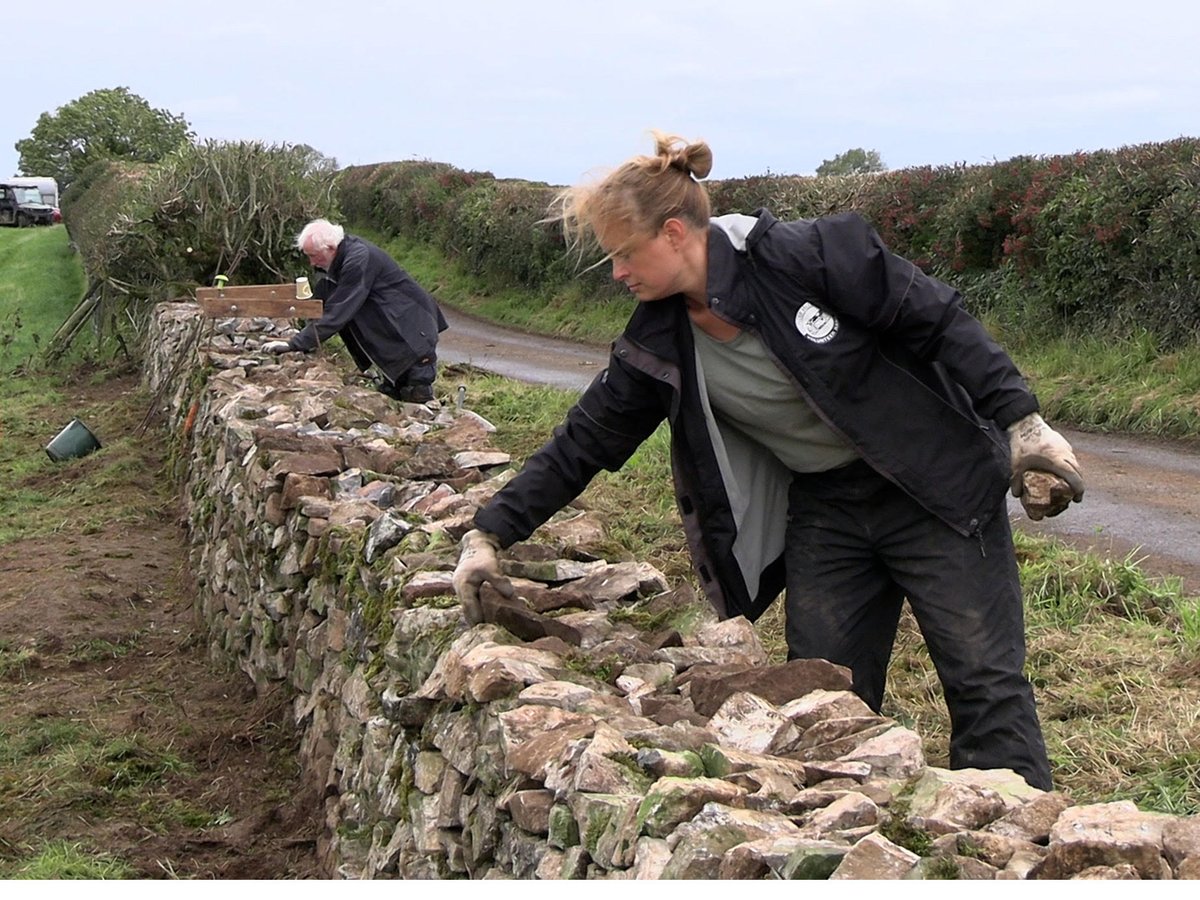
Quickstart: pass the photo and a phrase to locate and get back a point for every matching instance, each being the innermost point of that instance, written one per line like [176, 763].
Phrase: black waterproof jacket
[886, 355]
[383, 316]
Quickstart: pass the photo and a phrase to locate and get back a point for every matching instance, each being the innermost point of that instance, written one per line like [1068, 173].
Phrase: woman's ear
[675, 231]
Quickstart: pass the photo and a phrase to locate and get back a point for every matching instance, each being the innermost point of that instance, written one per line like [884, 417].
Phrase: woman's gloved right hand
[478, 564]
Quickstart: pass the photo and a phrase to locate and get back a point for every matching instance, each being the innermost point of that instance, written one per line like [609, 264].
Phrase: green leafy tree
[853, 162]
[110, 123]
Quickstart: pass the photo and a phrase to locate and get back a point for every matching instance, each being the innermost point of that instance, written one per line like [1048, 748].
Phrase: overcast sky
[553, 90]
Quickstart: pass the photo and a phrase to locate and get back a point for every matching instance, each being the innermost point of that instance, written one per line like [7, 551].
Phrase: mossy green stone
[812, 864]
[715, 763]
[564, 830]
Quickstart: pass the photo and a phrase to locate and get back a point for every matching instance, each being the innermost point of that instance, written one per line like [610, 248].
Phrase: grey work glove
[276, 347]
[477, 564]
[1036, 447]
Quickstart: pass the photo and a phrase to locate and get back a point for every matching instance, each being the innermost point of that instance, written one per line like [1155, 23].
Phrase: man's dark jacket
[383, 316]
[886, 355]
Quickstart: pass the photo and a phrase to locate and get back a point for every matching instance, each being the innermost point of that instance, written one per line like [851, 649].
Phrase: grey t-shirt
[749, 392]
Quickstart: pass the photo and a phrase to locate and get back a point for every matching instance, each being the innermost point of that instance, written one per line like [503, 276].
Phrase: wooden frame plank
[271, 301]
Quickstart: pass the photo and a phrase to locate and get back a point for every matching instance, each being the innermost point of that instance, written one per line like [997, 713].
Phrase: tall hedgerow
[493, 227]
[209, 209]
[1103, 243]
[1118, 246]
[415, 199]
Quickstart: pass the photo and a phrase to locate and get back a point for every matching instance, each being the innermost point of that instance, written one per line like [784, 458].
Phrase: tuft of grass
[37, 740]
[605, 669]
[124, 763]
[1188, 610]
[182, 813]
[1125, 385]
[644, 619]
[943, 868]
[1065, 588]
[100, 649]
[902, 833]
[1171, 785]
[15, 661]
[64, 860]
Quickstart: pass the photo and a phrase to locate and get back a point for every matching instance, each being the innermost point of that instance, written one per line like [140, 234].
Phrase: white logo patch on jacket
[816, 324]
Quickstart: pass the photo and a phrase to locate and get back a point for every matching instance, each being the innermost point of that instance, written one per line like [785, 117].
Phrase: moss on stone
[942, 868]
[714, 761]
[902, 833]
[564, 830]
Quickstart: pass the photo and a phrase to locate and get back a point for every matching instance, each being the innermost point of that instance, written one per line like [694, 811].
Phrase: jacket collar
[731, 239]
[335, 267]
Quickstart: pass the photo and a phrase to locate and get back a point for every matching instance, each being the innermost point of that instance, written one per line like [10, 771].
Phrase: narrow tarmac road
[1140, 498]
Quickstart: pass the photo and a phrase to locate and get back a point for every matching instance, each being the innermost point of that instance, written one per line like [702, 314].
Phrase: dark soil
[106, 607]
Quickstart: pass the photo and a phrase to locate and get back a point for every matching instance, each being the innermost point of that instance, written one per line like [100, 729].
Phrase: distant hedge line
[1105, 242]
[492, 227]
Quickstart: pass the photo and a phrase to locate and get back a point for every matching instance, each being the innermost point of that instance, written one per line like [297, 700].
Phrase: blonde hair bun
[694, 158]
[638, 196]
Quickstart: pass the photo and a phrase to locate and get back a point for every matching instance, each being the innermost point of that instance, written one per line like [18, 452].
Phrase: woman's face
[649, 266]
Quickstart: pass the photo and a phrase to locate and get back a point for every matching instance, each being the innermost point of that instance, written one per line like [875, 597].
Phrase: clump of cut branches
[209, 209]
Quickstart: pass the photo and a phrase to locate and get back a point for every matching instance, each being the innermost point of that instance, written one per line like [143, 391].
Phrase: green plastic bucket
[73, 441]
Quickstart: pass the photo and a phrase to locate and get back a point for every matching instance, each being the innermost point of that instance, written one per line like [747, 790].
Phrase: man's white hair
[320, 234]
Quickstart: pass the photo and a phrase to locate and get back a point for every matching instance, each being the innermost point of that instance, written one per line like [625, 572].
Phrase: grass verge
[40, 283]
[1123, 386]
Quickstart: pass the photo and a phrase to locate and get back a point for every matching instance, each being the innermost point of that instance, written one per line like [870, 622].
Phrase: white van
[47, 187]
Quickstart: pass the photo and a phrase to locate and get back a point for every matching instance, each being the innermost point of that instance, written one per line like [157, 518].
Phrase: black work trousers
[422, 372]
[412, 382]
[857, 546]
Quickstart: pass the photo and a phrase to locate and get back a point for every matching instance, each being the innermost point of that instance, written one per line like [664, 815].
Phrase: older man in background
[383, 316]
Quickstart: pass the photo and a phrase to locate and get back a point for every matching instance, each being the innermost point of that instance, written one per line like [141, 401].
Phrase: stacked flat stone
[604, 726]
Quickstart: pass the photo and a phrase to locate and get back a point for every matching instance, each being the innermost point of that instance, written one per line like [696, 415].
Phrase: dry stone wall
[604, 727]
